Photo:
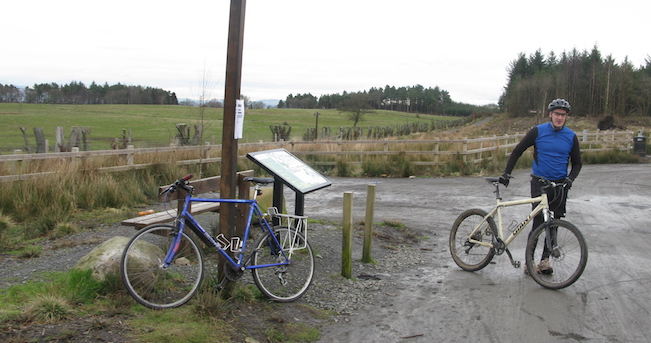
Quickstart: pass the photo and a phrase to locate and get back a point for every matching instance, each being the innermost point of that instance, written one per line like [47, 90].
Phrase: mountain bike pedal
[516, 264]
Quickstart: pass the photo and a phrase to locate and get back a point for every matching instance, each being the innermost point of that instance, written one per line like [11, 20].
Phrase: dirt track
[439, 302]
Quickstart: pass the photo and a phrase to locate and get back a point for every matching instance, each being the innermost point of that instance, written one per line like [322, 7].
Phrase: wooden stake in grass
[347, 241]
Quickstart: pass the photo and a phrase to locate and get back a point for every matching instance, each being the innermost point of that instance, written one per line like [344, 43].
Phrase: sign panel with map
[295, 173]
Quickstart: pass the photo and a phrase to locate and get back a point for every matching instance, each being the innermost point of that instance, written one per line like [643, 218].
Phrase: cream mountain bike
[477, 236]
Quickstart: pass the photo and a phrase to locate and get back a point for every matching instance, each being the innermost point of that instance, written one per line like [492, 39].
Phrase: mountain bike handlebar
[548, 183]
[180, 183]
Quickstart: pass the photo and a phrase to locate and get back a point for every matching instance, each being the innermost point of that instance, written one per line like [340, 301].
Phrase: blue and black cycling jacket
[553, 150]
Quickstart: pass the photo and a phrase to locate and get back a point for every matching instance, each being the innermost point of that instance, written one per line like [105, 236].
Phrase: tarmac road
[438, 302]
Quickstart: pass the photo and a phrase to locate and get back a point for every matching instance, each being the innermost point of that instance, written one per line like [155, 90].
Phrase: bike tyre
[298, 274]
[461, 229]
[569, 265]
[145, 279]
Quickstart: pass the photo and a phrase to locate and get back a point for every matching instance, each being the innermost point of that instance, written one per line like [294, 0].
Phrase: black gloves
[568, 183]
[504, 179]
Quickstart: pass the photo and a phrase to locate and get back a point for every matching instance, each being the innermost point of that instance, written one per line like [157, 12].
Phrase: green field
[154, 125]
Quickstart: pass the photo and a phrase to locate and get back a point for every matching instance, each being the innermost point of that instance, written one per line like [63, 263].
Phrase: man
[554, 146]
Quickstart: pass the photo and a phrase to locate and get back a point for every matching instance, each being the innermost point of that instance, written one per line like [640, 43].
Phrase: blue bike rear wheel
[286, 282]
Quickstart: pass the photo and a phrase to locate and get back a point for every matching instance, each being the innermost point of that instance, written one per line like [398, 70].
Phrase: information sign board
[291, 170]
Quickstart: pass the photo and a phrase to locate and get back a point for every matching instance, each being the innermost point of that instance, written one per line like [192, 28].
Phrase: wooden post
[368, 224]
[347, 241]
[75, 159]
[24, 131]
[481, 147]
[233, 84]
[60, 139]
[40, 140]
[465, 149]
[130, 153]
[18, 164]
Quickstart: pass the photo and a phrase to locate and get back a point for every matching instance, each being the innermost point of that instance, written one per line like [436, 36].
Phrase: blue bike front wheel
[148, 280]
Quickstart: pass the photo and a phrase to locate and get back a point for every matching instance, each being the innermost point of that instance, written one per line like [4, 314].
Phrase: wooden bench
[201, 186]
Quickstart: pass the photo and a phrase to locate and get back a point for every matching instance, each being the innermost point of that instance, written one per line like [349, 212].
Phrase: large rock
[105, 259]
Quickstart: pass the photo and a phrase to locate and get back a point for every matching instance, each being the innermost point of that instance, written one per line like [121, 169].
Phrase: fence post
[18, 164]
[60, 139]
[75, 159]
[481, 146]
[465, 149]
[206, 146]
[130, 153]
[436, 150]
[368, 224]
[347, 241]
[496, 148]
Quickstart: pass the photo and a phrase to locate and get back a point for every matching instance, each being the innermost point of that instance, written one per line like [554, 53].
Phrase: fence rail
[431, 152]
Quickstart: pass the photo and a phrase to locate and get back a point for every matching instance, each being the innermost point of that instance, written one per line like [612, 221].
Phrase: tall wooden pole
[229, 143]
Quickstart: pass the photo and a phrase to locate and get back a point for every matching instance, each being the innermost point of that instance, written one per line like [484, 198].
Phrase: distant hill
[270, 102]
[267, 102]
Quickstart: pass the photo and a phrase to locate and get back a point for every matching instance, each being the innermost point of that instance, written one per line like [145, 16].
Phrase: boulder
[104, 259]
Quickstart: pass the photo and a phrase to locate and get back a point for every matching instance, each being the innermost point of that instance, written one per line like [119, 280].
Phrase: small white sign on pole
[239, 118]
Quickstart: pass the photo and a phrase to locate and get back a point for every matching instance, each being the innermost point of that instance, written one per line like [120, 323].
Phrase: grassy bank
[69, 306]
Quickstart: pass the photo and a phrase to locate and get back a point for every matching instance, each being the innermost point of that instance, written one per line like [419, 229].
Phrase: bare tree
[356, 105]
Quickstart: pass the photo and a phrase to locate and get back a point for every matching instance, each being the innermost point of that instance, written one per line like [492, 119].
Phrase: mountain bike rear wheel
[288, 282]
[567, 255]
[144, 275]
[472, 256]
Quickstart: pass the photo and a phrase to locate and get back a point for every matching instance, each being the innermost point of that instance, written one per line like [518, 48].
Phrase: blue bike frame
[195, 227]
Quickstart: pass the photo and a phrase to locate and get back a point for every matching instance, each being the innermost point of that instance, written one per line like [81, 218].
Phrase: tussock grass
[31, 251]
[48, 308]
[6, 224]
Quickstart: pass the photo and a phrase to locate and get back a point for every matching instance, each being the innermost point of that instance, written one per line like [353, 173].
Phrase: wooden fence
[429, 152]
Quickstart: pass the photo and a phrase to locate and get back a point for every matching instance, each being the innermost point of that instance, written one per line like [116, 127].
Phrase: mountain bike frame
[500, 244]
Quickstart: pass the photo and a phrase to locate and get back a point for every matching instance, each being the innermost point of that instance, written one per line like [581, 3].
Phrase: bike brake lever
[172, 189]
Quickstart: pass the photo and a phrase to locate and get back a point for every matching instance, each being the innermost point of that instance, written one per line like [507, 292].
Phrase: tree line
[412, 99]
[594, 85]
[77, 93]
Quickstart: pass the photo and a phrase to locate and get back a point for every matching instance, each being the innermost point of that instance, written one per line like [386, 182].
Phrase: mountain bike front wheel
[148, 280]
[556, 254]
[287, 282]
[467, 255]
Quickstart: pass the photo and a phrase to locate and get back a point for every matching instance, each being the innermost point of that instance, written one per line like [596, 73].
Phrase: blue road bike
[163, 265]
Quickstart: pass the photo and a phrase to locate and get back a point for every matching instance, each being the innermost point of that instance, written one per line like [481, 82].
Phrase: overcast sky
[307, 46]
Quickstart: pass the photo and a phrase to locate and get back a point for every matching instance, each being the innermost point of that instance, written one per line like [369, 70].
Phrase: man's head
[558, 109]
